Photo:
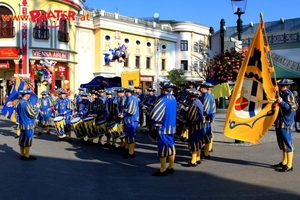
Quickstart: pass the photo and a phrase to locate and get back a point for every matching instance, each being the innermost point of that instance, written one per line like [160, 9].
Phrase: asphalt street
[71, 170]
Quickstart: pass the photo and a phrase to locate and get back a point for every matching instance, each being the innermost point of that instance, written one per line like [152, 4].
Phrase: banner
[252, 110]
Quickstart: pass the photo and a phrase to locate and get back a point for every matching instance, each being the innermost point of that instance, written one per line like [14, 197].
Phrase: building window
[137, 61]
[198, 46]
[126, 62]
[126, 40]
[184, 65]
[137, 42]
[196, 66]
[163, 47]
[183, 45]
[163, 64]
[7, 29]
[41, 31]
[106, 63]
[148, 44]
[107, 38]
[201, 66]
[148, 63]
[63, 35]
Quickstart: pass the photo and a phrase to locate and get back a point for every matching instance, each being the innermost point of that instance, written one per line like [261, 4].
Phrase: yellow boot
[290, 156]
[27, 154]
[198, 158]
[284, 158]
[163, 164]
[22, 151]
[206, 151]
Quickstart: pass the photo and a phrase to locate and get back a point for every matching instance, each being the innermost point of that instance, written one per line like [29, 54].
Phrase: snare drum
[101, 127]
[89, 124]
[113, 129]
[78, 127]
[60, 124]
[121, 130]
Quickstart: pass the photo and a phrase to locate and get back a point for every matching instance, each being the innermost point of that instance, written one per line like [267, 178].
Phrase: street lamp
[21, 61]
[239, 8]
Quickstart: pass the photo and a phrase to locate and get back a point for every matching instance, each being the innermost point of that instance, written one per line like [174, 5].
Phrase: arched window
[63, 34]
[41, 31]
[7, 29]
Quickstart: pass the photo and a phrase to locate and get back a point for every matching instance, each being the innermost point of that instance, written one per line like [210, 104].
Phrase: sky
[205, 12]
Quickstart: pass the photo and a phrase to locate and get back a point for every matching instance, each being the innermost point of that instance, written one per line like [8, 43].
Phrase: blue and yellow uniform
[209, 110]
[45, 112]
[194, 124]
[140, 97]
[27, 114]
[283, 124]
[78, 96]
[130, 117]
[149, 105]
[63, 107]
[164, 117]
[82, 108]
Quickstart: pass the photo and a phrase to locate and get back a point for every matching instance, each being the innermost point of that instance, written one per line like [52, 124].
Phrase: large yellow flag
[252, 110]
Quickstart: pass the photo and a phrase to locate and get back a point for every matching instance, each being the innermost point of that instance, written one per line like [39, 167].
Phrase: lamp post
[222, 100]
[21, 61]
[239, 8]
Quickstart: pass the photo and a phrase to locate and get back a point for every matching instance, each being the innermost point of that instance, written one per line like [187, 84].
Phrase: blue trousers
[165, 145]
[26, 136]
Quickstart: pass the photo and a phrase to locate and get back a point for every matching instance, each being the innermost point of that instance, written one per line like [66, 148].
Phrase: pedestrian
[27, 114]
[283, 124]
[194, 123]
[164, 117]
[130, 117]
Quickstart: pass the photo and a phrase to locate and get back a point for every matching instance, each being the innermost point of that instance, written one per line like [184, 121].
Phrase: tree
[203, 68]
[176, 76]
[225, 66]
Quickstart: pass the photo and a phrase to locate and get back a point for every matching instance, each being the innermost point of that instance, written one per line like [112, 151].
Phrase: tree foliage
[176, 76]
[225, 66]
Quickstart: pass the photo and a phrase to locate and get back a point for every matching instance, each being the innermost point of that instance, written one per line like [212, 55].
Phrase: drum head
[88, 119]
[57, 119]
[74, 120]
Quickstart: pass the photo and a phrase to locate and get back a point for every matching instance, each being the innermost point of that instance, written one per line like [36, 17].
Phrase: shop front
[50, 70]
[9, 65]
[146, 82]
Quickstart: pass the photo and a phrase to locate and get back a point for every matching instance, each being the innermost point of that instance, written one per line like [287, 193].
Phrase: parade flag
[252, 109]
[9, 107]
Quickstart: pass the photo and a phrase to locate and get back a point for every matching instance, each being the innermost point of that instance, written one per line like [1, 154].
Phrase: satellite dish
[156, 17]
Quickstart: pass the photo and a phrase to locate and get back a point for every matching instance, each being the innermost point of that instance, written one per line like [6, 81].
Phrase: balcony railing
[63, 36]
[41, 33]
[7, 32]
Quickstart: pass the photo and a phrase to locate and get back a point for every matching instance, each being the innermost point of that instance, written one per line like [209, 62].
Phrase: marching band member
[140, 96]
[45, 112]
[184, 93]
[82, 110]
[283, 125]
[164, 117]
[64, 107]
[209, 109]
[119, 103]
[78, 97]
[27, 114]
[149, 103]
[18, 131]
[194, 123]
[108, 114]
[130, 116]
